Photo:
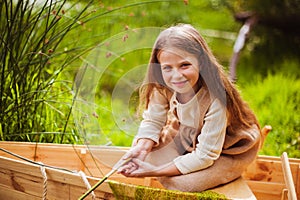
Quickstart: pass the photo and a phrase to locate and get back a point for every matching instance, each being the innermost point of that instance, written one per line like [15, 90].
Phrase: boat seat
[237, 189]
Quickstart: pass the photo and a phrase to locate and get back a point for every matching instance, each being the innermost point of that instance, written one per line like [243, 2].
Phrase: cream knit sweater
[209, 142]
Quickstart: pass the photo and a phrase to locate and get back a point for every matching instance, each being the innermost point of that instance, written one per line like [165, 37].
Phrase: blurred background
[65, 64]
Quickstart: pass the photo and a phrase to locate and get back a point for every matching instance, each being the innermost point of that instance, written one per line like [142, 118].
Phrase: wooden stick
[115, 168]
[288, 178]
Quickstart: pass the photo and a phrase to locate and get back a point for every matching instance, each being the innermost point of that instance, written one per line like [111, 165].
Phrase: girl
[196, 132]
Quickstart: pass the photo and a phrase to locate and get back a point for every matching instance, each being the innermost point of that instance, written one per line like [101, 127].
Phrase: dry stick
[115, 168]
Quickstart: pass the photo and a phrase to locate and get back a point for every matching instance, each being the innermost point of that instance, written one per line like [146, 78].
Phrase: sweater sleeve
[154, 118]
[210, 141]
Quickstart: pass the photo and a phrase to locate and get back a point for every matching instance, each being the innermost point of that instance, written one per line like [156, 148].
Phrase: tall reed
[31, 59]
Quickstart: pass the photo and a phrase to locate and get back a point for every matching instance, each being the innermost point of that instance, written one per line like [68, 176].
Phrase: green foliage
[276, 100]
[111, 128]
[32, 99]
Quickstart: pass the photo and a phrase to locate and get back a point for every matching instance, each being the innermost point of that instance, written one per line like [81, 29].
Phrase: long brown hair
[187, 38]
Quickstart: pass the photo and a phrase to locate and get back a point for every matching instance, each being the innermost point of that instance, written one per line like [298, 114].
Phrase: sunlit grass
[276, 100]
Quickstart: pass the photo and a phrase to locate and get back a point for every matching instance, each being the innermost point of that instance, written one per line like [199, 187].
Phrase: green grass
[275, 99]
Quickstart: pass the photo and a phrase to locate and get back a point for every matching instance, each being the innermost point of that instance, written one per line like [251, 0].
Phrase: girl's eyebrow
[164, 64]
[180, 62]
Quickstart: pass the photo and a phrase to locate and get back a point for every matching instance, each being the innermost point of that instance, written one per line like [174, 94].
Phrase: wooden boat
[57, 171]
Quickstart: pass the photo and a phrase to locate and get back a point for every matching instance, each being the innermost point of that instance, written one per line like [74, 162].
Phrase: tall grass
[32, 58]
[276, 100]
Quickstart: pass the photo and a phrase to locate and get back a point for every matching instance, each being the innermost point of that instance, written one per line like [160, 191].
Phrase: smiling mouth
[179, 83]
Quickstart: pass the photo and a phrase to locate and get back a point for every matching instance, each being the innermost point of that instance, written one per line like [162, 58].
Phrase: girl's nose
[177, 74]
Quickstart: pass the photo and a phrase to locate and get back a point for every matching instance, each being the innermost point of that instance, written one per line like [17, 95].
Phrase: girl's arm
[154, 118]
[138, 168]
[210, 141]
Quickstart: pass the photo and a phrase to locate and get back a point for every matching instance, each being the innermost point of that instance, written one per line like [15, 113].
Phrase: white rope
[43, 170]
[86, 182]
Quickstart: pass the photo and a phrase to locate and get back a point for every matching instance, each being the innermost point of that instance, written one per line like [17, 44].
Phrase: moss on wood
[124, 191]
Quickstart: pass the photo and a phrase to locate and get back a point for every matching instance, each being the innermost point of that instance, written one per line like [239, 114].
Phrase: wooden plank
[30, 183]
[97, 160]
[237, 189]
[7, 193]
[270, 170]
[266, 190]
[27, 184]
[27, 179]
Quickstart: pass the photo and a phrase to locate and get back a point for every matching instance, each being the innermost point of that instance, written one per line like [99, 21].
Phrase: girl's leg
[226, 169]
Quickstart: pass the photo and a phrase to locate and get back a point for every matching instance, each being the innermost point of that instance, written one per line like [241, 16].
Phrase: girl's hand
[140, 149]
[138, 168]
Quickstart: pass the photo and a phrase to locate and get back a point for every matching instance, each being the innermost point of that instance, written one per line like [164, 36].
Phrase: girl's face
[180, 70]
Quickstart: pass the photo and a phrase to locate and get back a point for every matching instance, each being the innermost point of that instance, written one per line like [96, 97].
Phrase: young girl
[197, 132]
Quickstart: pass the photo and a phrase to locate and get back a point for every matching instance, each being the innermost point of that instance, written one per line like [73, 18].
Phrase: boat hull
[20, 179]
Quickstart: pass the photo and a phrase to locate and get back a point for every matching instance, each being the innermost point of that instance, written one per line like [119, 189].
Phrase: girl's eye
[185, 65]
[166, 68]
